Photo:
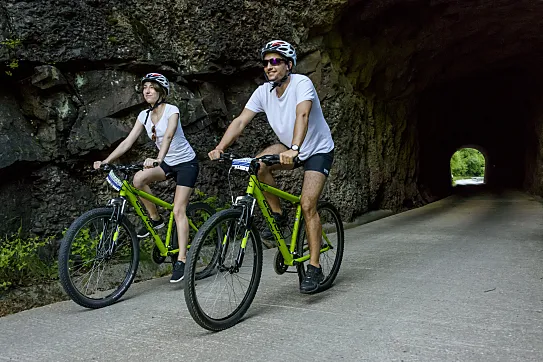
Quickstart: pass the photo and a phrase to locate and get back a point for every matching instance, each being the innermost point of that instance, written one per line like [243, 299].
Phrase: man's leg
[141, 181]
[311, 191]
[265, 174]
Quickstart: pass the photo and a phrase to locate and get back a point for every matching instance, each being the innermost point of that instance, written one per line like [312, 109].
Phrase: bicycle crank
[157, 258]
[279, 263]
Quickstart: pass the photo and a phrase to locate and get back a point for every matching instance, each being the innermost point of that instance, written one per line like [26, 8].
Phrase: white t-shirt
[281, 113]
[180, 149]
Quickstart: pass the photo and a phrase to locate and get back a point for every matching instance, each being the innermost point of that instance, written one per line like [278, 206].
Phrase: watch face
[294, 147]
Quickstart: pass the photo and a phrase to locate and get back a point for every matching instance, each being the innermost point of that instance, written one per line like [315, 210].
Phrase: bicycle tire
[196, 297]
[328, 212]
[81, 242]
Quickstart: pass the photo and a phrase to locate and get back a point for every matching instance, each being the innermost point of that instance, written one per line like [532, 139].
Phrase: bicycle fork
[118, 205]
[247, 203]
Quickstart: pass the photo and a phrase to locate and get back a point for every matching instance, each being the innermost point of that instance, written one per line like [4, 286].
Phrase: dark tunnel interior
[491, 111]
[473, 69]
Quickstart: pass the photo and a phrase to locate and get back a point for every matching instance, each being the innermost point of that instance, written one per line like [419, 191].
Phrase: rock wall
[73, 97]
[534, 152]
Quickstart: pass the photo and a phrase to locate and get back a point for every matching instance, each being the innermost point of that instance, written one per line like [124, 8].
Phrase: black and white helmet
[157, 78]
[281, 47]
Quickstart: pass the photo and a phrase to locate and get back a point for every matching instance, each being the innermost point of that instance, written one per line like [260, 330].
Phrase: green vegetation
[213, 201]
[32, 260]
[467, 162]
[23, 261]
[11, 45]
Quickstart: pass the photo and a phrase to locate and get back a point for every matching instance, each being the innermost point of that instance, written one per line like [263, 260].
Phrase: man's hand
[149, 162]
[215, 154]
[287, 157]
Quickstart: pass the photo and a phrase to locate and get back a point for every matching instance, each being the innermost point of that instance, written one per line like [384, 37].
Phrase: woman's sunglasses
[153, 136]
[273, 61]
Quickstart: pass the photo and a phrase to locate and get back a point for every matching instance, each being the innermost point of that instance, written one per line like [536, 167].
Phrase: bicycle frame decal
[131, 193]
[256, 189]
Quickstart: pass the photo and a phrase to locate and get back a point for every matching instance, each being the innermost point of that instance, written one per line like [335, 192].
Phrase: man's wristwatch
[295, 148]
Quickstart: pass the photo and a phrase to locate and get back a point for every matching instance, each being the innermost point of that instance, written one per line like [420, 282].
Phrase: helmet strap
[152, 108]
[281, 81]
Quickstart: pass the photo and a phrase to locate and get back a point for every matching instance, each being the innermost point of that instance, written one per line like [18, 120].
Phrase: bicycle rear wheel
[98, 258]
[330, 260]
[221, 300]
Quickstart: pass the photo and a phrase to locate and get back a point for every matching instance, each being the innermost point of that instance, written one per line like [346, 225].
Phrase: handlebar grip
[228, 156]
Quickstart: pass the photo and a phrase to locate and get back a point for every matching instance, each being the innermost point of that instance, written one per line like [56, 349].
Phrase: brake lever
[105, 167]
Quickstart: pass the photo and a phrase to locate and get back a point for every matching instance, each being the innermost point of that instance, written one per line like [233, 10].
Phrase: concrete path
[457, 280]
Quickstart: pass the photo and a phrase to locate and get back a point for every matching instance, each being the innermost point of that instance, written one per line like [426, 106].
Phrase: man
[294, 113]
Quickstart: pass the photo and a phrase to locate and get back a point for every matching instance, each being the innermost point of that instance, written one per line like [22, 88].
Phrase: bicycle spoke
[96, 270]
[232, 288]
[332, 237]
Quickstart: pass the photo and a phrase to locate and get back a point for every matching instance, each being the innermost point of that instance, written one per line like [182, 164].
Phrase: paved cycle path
[457, 280]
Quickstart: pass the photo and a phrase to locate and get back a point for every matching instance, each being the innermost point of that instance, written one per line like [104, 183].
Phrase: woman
[175, 156]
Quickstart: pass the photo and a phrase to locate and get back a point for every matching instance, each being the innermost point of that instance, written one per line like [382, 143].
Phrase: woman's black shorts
[185, 173]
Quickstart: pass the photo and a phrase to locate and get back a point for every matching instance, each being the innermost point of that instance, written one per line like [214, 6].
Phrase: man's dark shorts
[320, 162]
[185, 173]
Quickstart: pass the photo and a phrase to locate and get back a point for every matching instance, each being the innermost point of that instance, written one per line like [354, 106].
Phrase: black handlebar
[109, 167]
[268, 160]
[228, 156]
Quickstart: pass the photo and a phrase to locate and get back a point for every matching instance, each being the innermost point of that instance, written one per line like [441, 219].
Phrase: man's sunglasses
[273, 61]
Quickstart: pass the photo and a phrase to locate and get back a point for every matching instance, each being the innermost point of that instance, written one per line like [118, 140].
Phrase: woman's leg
[181, 200]
[141, 181]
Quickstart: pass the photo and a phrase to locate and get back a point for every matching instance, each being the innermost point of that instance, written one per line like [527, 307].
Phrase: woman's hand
[152, 162]
[97, 164]
[215, 154]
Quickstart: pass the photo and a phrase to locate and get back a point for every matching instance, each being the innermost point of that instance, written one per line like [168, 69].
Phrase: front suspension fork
[245, 222]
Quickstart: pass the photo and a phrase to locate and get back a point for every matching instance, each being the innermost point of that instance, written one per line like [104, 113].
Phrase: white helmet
[281, 47]
[157, 78]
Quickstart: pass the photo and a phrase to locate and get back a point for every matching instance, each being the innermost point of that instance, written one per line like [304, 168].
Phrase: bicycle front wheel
[221, 300]
[332, 236]
[98, 258]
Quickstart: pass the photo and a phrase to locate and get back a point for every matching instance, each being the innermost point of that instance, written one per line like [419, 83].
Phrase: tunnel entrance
[468, 166]
[447, 75]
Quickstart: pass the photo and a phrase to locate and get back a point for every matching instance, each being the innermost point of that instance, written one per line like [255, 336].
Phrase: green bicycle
[100, 253]
[221, 300]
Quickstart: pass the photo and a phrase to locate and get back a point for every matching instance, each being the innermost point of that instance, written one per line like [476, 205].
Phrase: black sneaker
[313, 278]
[281, 221]
[178, 272]
[157, 224]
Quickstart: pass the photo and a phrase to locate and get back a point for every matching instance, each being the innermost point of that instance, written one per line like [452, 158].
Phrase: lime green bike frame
[130, 193]
[256, 189]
